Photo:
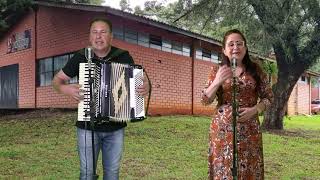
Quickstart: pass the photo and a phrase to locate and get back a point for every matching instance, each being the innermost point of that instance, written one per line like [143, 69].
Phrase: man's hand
[72, 90]
[144, 89]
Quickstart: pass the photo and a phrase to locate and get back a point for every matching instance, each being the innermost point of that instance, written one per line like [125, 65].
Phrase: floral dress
[250, 154]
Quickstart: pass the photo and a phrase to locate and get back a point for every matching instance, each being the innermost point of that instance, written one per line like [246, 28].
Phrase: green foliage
[11, 11]
[138, 11]
[124, 5]
[94, 2]
[213, 19]
[270, 67]
[42, 145]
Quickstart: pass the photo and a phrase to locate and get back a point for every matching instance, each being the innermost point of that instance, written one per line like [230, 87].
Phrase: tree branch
[199, 5]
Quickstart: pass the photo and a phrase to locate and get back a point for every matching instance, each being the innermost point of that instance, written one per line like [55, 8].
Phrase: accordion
[112, 95]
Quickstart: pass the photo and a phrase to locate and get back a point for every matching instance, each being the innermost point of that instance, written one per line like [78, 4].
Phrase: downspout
[35, 8]
[192, 77]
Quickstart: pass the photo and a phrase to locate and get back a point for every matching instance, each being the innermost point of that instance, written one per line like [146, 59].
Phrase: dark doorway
[9, 87]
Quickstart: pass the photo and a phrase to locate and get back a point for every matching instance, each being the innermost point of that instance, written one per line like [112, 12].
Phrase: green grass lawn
[42, 145]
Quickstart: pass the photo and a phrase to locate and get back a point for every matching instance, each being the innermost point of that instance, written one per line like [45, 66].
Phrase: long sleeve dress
[250, 154]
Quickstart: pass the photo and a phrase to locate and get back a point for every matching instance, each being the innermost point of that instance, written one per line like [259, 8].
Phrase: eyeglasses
[239, 44]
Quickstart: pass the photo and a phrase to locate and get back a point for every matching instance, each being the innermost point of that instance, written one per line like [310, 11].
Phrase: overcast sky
[133, 3]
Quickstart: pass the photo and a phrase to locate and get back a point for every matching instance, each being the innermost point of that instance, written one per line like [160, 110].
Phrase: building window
[152, 41]
[166, 45]
[186, 50]
[198, 54]
[118, 33]
[304, 79]
[45, 71]
[215, 57]
[206, 55]
[131, 36]
[177, 48]
[155, 41]
[59, 62]
[48, 67]
[143, 39]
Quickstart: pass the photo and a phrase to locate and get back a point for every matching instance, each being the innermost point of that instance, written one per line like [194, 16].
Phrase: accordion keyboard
[84, 104]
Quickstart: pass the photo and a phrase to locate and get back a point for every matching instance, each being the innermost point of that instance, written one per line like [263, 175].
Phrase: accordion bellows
[113, 92]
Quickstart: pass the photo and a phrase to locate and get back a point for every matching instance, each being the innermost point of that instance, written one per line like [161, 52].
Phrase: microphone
[88, 53]
[233, 63]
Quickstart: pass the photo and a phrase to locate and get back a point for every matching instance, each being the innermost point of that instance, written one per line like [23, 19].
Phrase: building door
[9, 87]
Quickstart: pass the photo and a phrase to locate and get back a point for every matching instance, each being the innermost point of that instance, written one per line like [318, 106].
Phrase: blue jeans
[111, 145]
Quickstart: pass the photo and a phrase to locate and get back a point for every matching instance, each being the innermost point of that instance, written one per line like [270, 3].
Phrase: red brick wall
[170, 75]
[201, 72]
[47, 97]
[59, 31]
[25, 60]
[300, 99]
[303, 98]
[292, 102]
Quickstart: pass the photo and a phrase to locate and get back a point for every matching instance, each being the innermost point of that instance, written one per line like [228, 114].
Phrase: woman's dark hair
[102, 19]
[250, 66]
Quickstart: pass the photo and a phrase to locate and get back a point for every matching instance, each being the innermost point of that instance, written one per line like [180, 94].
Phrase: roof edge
[141, 19]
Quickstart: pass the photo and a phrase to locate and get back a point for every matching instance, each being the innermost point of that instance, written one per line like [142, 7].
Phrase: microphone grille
[233, 63]
[88, 53]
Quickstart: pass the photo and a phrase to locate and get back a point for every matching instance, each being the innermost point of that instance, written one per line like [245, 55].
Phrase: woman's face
[235, 47]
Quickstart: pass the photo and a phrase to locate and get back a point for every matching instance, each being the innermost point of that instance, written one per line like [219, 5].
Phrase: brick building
[301, 95]
[177, 61]
[316, 91]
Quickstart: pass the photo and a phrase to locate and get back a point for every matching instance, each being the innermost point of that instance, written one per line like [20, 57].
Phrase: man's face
[100, 36]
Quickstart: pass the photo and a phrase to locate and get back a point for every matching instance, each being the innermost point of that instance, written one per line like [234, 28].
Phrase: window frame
[52, 69]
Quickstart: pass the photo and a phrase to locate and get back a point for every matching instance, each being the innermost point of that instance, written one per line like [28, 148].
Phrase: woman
[252, 86]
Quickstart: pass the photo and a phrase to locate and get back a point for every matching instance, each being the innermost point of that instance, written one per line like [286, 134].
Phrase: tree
[291, 28]
[12, 10]
[125, 5]
[138, 11]
[294, 28]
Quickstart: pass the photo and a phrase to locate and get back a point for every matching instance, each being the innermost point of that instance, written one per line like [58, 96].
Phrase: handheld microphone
[233, 63]
[88, 53]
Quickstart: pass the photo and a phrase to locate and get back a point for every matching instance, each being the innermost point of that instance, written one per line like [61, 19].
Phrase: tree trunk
[273, 116]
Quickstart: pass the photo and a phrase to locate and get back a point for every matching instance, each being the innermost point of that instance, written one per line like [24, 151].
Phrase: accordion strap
[149, 96]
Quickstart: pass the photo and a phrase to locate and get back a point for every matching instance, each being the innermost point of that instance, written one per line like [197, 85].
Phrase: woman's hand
[247, 113]
[224, 73]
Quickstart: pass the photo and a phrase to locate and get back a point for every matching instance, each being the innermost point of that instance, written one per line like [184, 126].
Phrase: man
[109, 135]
